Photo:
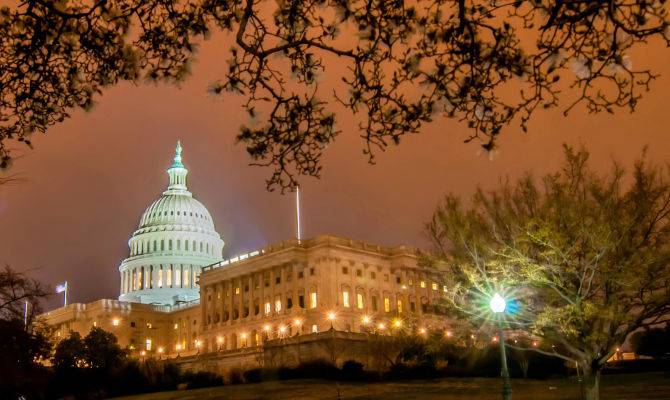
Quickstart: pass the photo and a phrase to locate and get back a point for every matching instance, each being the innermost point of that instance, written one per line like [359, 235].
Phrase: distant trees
[583, 260]
[654, 342]
[401, 65]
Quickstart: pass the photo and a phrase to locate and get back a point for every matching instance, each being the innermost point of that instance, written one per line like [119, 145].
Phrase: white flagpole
[65, 295]
[297, 209]
[25, 314]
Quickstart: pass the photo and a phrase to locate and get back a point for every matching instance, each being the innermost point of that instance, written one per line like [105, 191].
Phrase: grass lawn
[645, 386]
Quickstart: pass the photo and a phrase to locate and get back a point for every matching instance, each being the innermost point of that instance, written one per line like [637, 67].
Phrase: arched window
[160, 276]
[187, 273]
[134, 280]
[169, 276]
[177, 276]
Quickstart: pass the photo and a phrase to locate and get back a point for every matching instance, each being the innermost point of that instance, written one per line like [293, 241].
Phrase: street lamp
[498, 305]
[331, 317]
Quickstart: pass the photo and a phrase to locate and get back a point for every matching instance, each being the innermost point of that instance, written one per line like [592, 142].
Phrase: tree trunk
[591, 383]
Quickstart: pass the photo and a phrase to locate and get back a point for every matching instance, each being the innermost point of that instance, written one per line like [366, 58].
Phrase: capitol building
[180, 299]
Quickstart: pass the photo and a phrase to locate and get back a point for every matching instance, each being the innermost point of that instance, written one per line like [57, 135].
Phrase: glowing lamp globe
[498, 304]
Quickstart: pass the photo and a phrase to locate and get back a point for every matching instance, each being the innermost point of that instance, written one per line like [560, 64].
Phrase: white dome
[175, 238]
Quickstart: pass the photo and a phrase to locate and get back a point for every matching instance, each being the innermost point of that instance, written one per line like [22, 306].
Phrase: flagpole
[25, 314]
[297, 208]
[65, 295]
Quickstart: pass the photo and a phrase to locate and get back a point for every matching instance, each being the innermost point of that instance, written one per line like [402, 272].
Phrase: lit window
[434, 286]
[410, 283]
[345, 299]
[169, 277]
[267, 308]
[312, 298]
[314, 330]
[359, 300]
[186, 275]
[423, 284]
[134, 280]
[387, 304]
[444, 288]
[95, 323]
[386, 277]
[149, 325]
[237, 290]
[148, 344]
[176, 326]
[399, 306]
[218, 295]
[277, 305]
[140, 279]
[160, 277]
[177, 277]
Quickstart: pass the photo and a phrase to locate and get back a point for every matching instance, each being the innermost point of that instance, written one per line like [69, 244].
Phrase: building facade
[179, 298]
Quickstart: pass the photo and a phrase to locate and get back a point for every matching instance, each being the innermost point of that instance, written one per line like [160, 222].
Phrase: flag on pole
[61, 288]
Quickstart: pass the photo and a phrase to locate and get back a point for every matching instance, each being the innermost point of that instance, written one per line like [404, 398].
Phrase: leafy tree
[21, 349]
[583, 260]
[401, 65]
[23, 341]
[653, 342]
[103, 350]
[70, 353]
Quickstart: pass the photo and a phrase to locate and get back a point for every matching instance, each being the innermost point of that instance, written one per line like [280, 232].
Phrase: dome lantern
[177, 173]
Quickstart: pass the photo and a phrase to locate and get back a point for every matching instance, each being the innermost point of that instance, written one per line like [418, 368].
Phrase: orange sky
[89, 179]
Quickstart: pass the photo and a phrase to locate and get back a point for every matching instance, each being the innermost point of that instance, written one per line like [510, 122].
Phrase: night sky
[86, 184]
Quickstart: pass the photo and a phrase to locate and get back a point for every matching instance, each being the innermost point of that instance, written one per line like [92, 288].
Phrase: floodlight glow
[244, 336]
[381, 326]
[366, 320]
[498, 304]
[331, 316]
[220, 339]
[397, 323]
[267, 327]
[282, 329]
[115, 322]
[160, 349]
[422, 330]
[297, 322]
[449, 334]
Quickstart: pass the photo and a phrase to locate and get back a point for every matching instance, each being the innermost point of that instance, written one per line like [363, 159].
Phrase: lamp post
[498, 305]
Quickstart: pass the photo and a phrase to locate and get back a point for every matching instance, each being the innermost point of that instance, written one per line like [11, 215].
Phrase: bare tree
[15, 290]
[583, 260]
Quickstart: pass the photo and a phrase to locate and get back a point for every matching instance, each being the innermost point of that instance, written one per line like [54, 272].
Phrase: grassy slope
[646, 386]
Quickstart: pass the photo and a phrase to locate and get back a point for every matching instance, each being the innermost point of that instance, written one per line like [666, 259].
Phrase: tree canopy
[583, 260]
[402, 64]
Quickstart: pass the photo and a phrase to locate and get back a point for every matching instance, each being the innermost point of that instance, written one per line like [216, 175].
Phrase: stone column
[203, 307]
[240, 299]
[250, 301]
[230, 290]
